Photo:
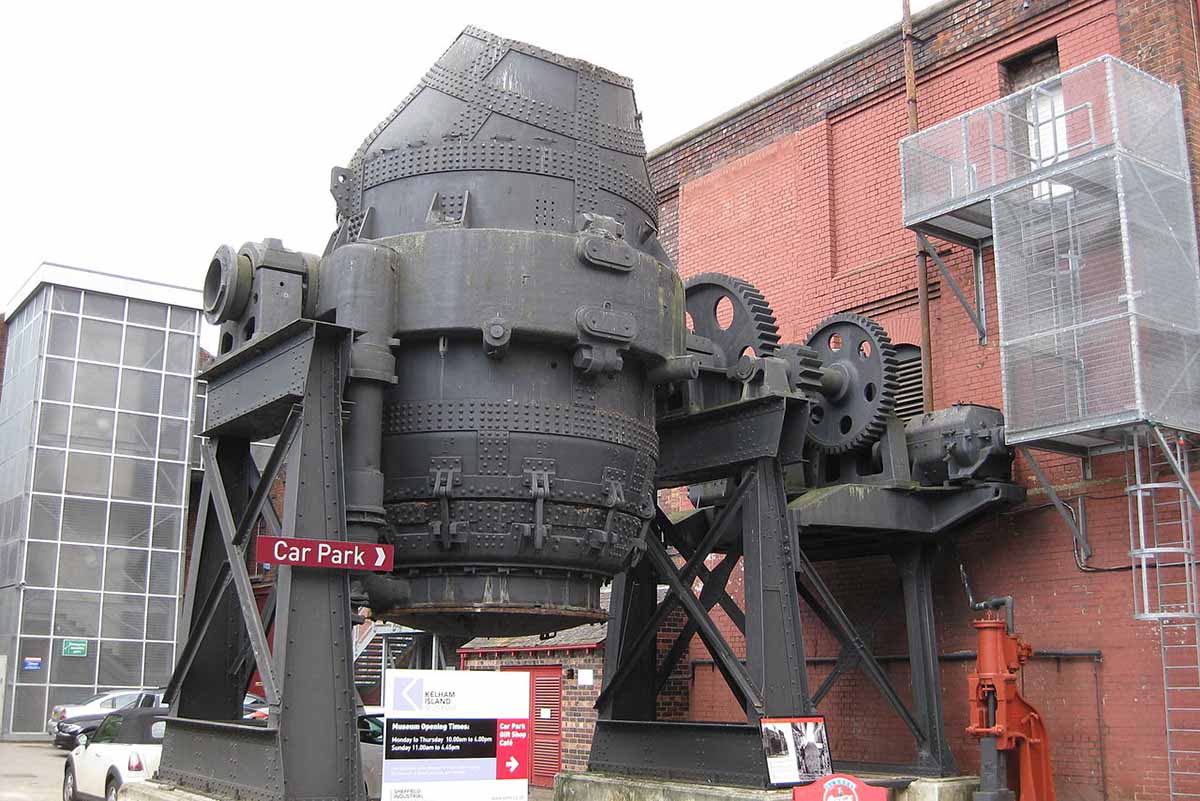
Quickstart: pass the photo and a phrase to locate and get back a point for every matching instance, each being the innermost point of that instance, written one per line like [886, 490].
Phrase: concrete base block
[609, 787]
[955, 788]
[158, 791]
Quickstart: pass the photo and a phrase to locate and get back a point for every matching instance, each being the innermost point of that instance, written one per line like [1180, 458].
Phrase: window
[370, 729]
[125, 699]
[1043, 132]
[1038, 64]
[107, 732]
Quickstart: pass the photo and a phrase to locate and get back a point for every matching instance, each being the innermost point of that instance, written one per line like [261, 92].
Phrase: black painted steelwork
[489, 368]
[881, 488]
[307, 670]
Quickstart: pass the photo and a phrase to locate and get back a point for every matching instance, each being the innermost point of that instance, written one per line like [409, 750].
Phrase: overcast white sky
[136, 138]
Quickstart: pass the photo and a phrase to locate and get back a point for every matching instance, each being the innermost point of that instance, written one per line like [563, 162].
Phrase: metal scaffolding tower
[1081, 184]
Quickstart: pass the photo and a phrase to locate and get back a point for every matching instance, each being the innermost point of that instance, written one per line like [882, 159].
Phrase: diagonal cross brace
[649, 633]
[258, 506]
[735, 673]
[830, 612]
[712, 594]
[1077, 531]
[237, 571]
[1184, 480]
[931, 251]
[848, 657]
[725, 601]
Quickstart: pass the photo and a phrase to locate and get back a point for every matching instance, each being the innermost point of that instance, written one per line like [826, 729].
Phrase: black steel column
[916, 576]
[314, 652]
[774, 640]
[631, 605]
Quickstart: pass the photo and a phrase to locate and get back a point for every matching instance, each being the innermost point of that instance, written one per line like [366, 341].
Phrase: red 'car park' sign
[324, 553]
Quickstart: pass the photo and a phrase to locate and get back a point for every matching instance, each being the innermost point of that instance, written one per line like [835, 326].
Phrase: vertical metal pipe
[926, 343]
[910, 73]
[910, 97]
[365, 302]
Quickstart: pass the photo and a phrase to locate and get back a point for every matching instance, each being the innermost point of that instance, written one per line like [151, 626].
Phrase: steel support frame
[1077, 526]
[915, 563]
[978, 312]
[772, 680]
[308, 747]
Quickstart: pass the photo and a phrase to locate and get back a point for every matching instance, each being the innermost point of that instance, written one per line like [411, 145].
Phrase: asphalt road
[31, 771]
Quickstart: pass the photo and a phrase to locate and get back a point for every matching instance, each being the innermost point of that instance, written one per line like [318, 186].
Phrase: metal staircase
[1163, 510]
[368, 662]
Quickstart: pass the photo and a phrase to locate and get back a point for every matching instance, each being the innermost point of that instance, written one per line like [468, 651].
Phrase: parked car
[125, 749]
[371, 740]
[150, 699]
[69, 729]
[98, 704]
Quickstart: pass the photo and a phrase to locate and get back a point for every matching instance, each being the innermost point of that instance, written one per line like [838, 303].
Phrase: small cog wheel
[804, 368]
[855, 414]
[745, 322]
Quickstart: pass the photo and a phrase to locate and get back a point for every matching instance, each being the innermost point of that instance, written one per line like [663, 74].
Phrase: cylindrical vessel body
[530, 300]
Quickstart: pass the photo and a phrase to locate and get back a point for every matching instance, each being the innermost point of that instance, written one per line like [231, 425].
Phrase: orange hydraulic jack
[1014, 749]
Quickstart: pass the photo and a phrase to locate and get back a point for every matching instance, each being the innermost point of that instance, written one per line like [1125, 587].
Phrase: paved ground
[34, 771]
[31, 772]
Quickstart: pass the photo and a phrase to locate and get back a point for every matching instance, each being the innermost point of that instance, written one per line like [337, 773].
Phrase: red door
[545, 715]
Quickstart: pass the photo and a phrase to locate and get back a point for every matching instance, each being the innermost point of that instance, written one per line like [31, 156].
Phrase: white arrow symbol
[512, 764]
[379, 556]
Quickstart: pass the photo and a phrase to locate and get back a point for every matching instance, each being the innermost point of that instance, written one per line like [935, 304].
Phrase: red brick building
[799, 191]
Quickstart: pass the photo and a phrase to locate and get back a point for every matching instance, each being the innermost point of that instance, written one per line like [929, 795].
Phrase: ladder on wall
[1164, 510]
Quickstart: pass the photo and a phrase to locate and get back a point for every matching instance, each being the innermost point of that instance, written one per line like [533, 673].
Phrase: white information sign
[455, 734]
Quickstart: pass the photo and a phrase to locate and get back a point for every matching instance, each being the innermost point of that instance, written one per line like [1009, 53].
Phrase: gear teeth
[805, 367]
[764, 334]
[884, 354]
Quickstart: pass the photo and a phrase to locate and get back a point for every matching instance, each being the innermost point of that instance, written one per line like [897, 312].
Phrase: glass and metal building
[95, 426]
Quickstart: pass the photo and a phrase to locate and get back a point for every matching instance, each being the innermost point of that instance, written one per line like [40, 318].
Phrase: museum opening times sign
[453, 735]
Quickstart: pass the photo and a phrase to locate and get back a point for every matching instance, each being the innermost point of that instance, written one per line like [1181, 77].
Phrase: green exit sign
[74, 648]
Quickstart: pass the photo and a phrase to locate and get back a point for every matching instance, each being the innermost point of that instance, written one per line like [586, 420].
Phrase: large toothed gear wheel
[751, 326]
[860, 395]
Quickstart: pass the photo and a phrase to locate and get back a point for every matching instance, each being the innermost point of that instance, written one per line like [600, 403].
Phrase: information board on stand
[451, 735]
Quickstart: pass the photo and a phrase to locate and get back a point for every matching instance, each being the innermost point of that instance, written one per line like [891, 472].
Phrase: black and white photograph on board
[797, 749]
[812, 749]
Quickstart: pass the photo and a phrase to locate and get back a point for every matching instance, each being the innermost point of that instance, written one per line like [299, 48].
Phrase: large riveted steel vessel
[497, 251]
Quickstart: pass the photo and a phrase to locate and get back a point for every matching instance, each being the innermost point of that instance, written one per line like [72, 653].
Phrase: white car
[125, 749]
[371, 740]
[99, 703]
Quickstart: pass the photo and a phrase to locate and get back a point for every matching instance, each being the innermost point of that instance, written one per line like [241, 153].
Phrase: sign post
[450, 735]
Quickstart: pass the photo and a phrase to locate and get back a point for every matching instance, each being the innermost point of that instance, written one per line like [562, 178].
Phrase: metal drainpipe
[910, 95]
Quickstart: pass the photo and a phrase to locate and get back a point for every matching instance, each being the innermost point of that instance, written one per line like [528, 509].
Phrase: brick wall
[578, 712]
[800, 194]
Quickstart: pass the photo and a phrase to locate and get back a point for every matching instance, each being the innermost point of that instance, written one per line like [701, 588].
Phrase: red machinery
[1006, 723]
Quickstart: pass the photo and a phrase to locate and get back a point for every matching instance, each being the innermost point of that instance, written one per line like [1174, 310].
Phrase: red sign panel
[512, 749]
[324, 553]
[839, 787]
